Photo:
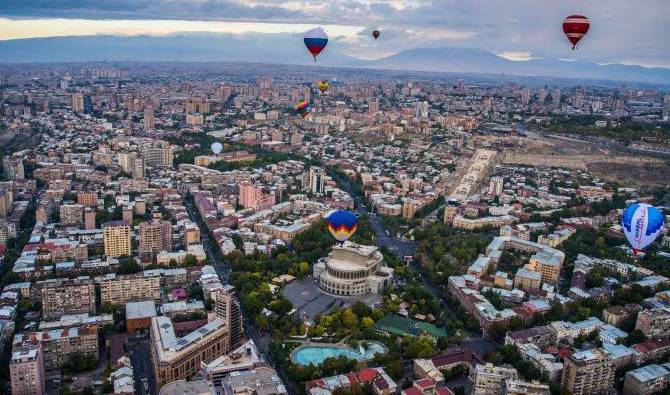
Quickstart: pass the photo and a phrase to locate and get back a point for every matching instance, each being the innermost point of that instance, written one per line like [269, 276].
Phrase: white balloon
[217, 147]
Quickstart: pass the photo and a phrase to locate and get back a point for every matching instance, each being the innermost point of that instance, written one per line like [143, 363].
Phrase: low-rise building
[490, 379]
[654, 323]
[647, 380]
[353, 269]
[139, 315]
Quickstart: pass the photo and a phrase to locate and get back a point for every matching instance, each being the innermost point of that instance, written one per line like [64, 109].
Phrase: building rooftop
[263, 381]
[144, 309]
[650, 372]
[183, 387]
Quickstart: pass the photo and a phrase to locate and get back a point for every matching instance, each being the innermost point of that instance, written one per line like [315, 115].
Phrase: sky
[622, 31]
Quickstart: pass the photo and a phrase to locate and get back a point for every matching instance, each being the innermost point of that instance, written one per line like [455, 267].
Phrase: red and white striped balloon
[575, 28]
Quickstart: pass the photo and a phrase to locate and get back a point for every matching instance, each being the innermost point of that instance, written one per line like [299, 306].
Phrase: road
[223, 269]
[140, 358]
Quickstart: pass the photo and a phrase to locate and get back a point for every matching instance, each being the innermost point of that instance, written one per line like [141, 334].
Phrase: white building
[353, 269]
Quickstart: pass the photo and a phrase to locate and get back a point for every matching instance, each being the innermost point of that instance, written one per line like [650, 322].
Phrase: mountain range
[288, 49]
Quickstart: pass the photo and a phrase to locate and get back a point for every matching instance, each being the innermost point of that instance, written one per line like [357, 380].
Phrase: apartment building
[87, 198]
[71, 214]
[227, 308]
[490, 380]
[654, 323]
[116, 237]
[647, 380]
[67, 296]
[180, 358]
[119, 290]
[588, 372]
[155, 237]
[59, 344]
[26, 370]
[254, 197]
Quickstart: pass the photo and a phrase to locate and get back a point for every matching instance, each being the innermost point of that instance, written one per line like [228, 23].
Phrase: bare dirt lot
[607, 163]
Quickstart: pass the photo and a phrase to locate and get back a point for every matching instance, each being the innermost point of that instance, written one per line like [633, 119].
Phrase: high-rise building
[26, 370]
[155, 237]
[157, 154]
[254, 197]
[71, 214]
[7, 231]
[127, 214]
[78, 102]
[421, 109]
[13, 168]
[62, 296]
[116, 238]
[227, 308]
[588, 372]
[89, 218]
[5, 202]
[496, 186]
[139, 169]
[316, 180]
[665, 113]
[126, 161]
[525, 96]
[149, 120]
[374, 107]
[88, 104]
[197, 105]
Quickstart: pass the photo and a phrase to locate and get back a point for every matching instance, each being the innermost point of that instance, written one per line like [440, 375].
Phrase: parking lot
[310, 301]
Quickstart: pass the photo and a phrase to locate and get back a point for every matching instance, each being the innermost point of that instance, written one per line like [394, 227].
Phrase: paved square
[309, 301]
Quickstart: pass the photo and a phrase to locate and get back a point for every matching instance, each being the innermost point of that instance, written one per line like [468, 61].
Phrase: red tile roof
[367, 374]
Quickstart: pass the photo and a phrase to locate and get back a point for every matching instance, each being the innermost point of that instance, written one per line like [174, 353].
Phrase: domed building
[352, 269]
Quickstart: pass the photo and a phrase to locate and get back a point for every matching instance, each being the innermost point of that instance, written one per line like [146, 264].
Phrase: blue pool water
[317, 354]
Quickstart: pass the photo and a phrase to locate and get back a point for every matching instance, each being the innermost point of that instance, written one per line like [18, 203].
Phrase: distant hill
[449, 59]
[288, 49]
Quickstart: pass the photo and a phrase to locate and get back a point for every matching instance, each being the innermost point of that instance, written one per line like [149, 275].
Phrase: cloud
[146, 9]
[516, 56]
[621, 31]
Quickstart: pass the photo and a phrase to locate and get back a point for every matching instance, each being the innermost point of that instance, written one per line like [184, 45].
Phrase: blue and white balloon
[642, 223]
[216, 147]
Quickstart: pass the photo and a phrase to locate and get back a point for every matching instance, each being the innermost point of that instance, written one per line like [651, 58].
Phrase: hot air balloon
[575, 28]
[315, 41]
[323, 86]
[217, 147]
[642, 223]
[375, 34]
[342, 224]
[303, 108]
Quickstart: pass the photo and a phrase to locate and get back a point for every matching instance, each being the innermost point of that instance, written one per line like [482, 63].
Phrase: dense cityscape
[164, 229]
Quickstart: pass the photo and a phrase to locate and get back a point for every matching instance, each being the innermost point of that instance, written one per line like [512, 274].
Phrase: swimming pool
[316, 354]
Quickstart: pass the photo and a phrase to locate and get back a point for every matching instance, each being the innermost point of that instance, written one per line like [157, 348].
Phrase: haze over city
[388, 197]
